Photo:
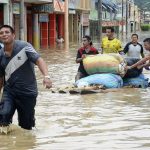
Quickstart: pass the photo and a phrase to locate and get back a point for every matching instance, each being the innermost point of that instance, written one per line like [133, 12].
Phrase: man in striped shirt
[17, 77]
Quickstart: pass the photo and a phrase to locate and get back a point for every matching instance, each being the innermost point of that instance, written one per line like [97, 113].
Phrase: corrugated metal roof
[110, 4]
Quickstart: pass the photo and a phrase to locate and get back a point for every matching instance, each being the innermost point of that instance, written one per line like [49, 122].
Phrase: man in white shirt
[134, 49]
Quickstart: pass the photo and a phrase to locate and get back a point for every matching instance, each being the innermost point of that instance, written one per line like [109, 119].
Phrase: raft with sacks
[109, 70]
[106, 71]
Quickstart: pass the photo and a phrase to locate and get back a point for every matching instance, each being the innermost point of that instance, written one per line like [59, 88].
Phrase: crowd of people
[110, 44]
[17, 77]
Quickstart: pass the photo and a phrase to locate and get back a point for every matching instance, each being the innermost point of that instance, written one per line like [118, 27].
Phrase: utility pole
[22, 22]
[134, 20]
[10, 13]
[126, 19]
[122, 19]
[100, 21]
[66, 26]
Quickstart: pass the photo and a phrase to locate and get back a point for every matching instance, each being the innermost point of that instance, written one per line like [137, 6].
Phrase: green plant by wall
[145, 27]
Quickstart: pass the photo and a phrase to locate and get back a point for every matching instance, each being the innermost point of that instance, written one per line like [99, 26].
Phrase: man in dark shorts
[87, 49]
[17, 77]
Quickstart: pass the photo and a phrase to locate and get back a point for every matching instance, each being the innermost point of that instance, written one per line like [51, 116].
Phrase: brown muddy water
[107, 121]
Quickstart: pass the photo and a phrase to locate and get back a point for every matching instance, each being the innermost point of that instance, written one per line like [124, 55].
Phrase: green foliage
[145, 27]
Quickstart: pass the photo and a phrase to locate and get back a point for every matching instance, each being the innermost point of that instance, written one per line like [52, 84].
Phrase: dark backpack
[132, 73]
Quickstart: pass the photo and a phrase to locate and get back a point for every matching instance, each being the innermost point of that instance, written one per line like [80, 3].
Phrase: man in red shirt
[87, 49]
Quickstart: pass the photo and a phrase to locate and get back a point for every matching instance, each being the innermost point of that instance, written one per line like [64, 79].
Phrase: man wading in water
[17, 59]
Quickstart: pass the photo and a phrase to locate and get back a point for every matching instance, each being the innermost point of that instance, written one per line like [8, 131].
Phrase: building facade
[130, 15]
[43, 20]
[5, 12]
[79, 11]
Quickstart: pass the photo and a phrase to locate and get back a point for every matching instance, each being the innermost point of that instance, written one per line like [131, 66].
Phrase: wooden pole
[66, 26]
[36, 39]
[22, 22]
[134, 20]
[126, 19]
[122, 20]
[100, 20]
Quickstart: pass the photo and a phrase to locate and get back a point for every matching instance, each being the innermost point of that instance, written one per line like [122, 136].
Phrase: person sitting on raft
[144, 62]
[87, 49]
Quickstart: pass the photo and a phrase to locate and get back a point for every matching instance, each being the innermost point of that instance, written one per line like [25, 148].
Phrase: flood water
[117, 120]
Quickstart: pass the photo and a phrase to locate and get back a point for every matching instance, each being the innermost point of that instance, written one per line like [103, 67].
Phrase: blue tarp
[108, 80]
[140, 81]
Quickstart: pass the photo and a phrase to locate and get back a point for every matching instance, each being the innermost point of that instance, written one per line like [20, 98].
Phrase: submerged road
[108, 121]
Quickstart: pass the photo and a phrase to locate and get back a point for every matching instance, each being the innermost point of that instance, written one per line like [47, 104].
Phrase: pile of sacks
[109, 70]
